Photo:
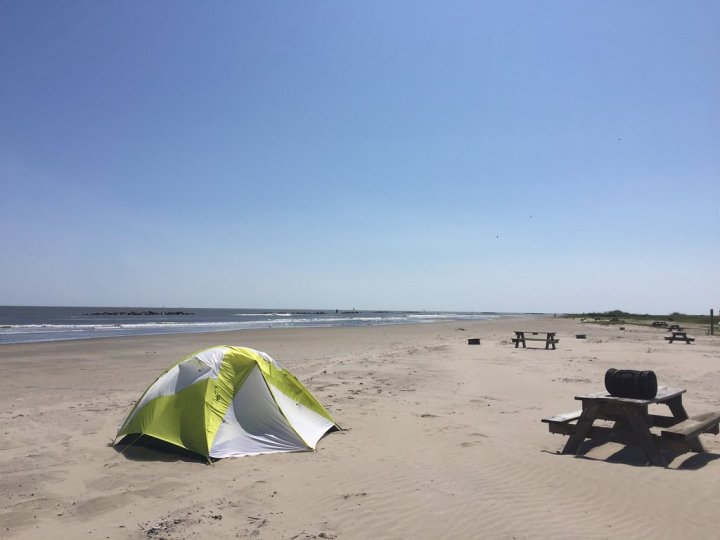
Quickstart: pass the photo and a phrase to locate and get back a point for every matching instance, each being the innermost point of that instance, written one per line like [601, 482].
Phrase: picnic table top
[534, 332]
[664, 393]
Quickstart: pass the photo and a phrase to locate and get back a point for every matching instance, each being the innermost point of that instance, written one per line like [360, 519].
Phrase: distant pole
[712, 323]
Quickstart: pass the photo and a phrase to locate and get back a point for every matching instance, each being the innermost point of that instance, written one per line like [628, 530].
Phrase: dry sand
[441, 440]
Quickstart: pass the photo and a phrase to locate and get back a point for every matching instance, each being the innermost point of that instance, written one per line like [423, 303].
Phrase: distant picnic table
[632, 423]
[678, 335]
[521, 336]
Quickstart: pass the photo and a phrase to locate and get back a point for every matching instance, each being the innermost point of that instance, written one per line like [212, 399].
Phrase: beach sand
[440, 440]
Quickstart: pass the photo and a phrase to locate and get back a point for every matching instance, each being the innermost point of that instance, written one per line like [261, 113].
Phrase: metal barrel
[630, 383]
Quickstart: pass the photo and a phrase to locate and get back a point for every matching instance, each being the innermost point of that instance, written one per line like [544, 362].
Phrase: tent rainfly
[227, 402]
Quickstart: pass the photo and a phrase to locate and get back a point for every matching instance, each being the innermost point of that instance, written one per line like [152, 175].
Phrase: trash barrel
[629, 383]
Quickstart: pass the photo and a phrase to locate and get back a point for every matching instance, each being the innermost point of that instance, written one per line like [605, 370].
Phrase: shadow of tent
[144, 448]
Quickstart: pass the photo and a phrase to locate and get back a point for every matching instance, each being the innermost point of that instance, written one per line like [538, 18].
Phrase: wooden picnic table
[522, 337]
[632, 424]
[677, 335]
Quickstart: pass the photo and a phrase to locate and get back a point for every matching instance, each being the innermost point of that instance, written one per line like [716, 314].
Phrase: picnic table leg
[641, 429]
[582, 428]
[678, 411]
[696, 445]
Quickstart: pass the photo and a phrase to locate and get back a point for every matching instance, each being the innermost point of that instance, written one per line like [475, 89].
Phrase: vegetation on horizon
[618, 316]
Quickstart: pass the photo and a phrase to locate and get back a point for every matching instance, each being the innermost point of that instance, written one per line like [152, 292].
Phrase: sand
[441, 440]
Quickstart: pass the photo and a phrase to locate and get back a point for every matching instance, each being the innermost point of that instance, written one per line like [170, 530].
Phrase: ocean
[24, 324]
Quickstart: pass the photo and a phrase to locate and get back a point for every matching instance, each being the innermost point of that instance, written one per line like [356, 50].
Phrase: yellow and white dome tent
[226, 402]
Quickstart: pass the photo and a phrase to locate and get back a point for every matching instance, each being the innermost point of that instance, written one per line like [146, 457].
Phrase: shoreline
[440, 439]
[196, 334]
[36, 325]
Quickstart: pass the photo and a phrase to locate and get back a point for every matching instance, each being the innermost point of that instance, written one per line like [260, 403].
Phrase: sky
[559, 156]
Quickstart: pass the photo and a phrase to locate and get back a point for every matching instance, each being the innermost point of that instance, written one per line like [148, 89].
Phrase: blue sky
[507, 156]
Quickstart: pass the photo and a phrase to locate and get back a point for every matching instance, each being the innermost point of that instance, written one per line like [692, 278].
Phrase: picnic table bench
[522, 337]
[678, 335]
[632, 424]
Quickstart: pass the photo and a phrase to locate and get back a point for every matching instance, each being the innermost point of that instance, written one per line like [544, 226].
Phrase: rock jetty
[139, 313]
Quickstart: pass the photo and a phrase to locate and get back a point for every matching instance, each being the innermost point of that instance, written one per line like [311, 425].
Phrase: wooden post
[712, 323]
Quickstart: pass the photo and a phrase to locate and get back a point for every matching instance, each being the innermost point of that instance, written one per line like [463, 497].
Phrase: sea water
[23, 324]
